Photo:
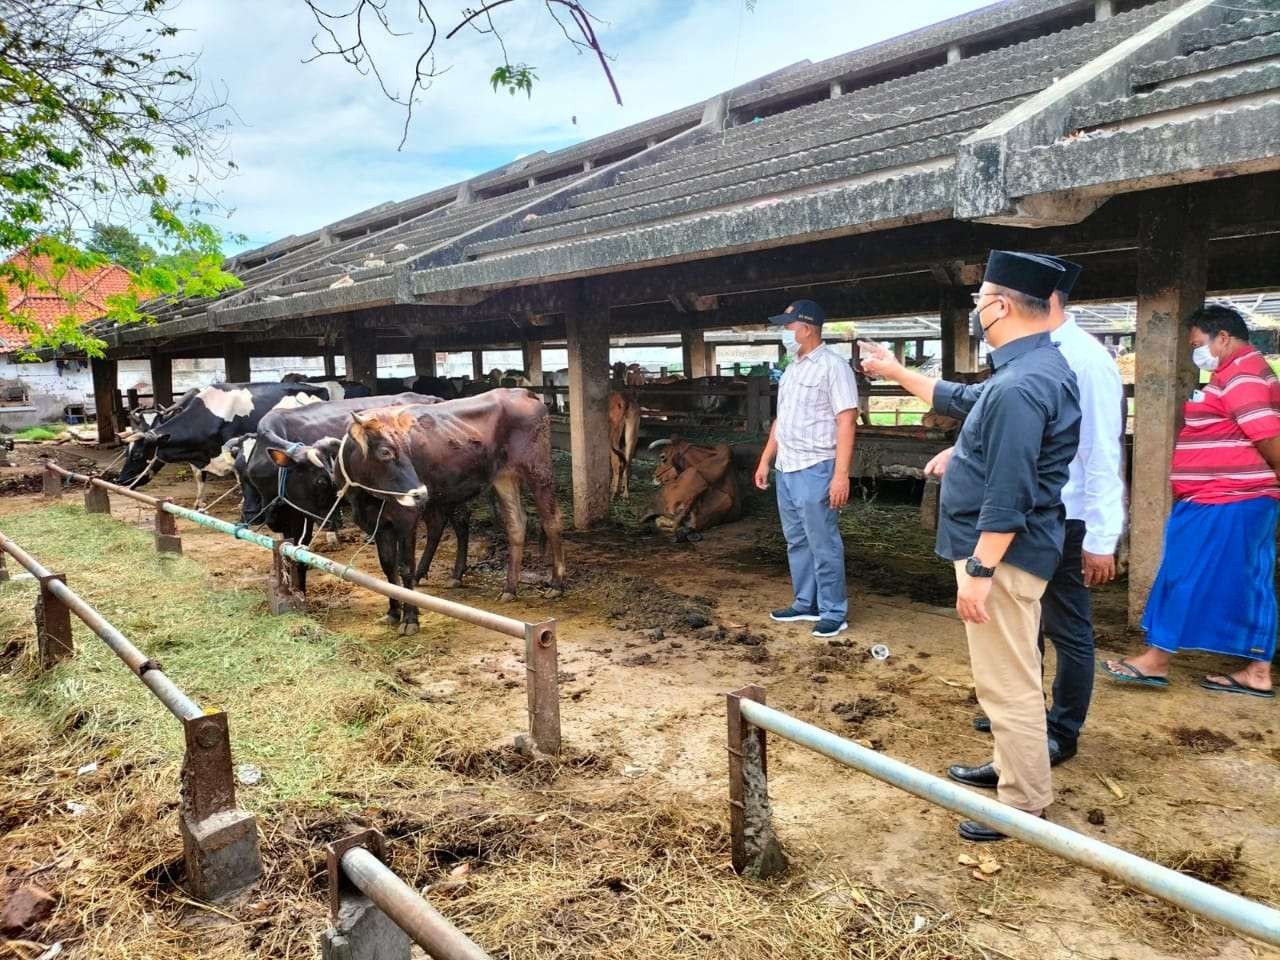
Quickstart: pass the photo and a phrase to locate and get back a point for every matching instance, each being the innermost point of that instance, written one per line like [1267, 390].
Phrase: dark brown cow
[449, 453]
[698, 487]
[624, 434]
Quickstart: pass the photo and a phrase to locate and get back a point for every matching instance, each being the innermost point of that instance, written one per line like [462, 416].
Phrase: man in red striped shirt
[1226, 502]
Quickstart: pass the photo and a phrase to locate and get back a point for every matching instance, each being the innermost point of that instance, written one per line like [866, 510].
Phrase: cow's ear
[278, 457]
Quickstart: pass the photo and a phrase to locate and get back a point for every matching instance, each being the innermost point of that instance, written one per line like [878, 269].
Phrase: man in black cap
[1001, 519]
[812, 438]
[1094, 501]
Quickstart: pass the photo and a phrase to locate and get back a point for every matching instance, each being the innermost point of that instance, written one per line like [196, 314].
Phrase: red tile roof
[91, 288]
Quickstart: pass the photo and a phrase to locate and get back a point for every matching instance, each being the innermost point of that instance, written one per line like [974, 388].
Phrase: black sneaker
[829, 628]
[791, 615]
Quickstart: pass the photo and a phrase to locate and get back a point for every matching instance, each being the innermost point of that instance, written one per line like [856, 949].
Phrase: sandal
[1134, 676]
[1235, 686]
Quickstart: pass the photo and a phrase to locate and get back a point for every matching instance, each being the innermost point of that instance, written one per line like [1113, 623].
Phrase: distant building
[33, 393]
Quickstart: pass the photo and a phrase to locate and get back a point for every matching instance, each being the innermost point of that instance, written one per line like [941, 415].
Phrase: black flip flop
[1137, 678]
[1235, 686]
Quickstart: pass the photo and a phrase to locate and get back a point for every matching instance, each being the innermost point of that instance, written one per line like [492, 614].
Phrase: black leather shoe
[982, 724]
[976, 832]
[981, 776]
[1060, 751]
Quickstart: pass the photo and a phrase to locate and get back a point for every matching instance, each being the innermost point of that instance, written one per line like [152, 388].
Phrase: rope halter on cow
[400, 496]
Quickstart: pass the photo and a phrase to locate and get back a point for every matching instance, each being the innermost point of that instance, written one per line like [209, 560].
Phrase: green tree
[100, 120]
[120, 245]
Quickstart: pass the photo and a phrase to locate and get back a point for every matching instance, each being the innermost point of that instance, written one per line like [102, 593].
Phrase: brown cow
[624, 433]
[449, 453]
[698, 487]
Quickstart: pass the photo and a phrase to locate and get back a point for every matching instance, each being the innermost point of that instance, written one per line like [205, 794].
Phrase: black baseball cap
[806, 310]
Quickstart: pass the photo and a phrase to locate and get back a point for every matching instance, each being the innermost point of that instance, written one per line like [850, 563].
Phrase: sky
[314, 142]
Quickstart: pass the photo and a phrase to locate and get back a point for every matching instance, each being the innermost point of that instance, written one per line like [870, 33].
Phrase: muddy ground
[652, 634]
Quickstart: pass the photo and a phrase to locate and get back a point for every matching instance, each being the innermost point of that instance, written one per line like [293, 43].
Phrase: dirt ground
[652, 634]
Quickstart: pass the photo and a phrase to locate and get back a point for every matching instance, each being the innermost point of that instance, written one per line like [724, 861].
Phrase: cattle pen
[540, 638]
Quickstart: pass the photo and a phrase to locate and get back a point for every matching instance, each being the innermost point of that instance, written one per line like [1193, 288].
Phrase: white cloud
[316, 142]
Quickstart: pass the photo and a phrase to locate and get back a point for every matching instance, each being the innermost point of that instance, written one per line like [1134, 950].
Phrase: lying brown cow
[697, 487]
[624, 433]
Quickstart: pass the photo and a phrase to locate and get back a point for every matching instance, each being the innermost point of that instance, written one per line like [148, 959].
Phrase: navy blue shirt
[1021, 430]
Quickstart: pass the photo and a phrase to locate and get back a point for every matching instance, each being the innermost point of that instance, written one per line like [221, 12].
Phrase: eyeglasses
[977, 297]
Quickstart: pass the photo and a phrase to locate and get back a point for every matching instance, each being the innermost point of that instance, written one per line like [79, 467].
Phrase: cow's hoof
[389, 618]
[507, 597]
[555, 593]
[455, 583]
[408, 629]
[693, 536]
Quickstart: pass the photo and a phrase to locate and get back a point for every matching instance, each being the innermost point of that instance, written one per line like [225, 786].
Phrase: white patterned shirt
[814, 389]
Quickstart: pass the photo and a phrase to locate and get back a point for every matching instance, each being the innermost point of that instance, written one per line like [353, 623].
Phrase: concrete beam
[161, 379]
[1171, 284]
[981, 190]
[236, 360]
[586, 328]
[104, 398]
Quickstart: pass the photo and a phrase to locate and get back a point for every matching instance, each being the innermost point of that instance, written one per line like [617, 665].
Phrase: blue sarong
[1215, 590]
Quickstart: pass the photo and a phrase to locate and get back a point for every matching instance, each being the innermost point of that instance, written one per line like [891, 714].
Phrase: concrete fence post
[219, 842]
[96, 499]
[4, 569]
[52, 485]
[167, 539]
[284, 593]
[53, 625]
[358, 929]
[756, 850]
[542, 668]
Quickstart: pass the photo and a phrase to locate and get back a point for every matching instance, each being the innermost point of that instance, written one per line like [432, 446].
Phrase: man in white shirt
[812, 438]
[1094, 501]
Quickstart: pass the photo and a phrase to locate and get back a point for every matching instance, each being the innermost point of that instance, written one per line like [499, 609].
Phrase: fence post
[929, 503]
[282, 589]
[358, 930]
[4, 569]
[542, 680]
[219, 842]
[96, 499]
[53, 625]
[167, 539]
[756, 850]
[52, 488]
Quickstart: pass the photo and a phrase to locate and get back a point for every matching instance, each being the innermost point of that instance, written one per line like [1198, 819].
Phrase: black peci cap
[1024, 272]
[805, 310]
[1070, 274]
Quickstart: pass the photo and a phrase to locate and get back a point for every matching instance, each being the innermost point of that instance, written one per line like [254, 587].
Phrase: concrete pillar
[954, 53]
[477, 365]
[361, 931]
[587, 165]
[531, 358]
[330, 366]
[698, 358]
[835, 89]
[1102, 9]
[1171, 284]
[236, 363]
[587, 332]
[104, 398]
[919, 354]
[900, 350]
[360, 350]
[424, 360]
[161, 379]
[959, 350]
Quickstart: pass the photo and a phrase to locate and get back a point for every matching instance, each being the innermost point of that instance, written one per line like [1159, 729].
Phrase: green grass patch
[280, 678]
[41, 434]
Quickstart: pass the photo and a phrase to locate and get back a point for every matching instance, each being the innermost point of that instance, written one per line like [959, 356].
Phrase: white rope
[342, 463]
[220, 499]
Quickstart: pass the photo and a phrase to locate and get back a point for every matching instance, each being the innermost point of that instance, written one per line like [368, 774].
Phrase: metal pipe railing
[142, 666]
[424, 924]
[1234, 912]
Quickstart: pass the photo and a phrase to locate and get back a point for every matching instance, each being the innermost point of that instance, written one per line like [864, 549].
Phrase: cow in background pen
[624, 434]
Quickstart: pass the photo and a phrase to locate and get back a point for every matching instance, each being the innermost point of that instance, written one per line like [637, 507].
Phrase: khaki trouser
[1005, 657]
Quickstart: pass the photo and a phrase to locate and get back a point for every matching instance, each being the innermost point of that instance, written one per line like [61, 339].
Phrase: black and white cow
[203, 421]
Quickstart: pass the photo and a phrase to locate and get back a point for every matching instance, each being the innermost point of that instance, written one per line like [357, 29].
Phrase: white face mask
[1203, 359]
[789, 341]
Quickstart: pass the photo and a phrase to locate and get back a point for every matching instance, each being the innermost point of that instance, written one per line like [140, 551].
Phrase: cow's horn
[357, 418]
[314, 456]
[665, 442]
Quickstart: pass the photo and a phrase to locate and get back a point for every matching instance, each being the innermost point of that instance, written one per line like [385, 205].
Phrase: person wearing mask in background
[1000, 518]
[812, 438]
[1094, 499]
[1215, 589]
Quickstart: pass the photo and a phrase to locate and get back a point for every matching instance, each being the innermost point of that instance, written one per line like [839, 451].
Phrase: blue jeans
[815, 551]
